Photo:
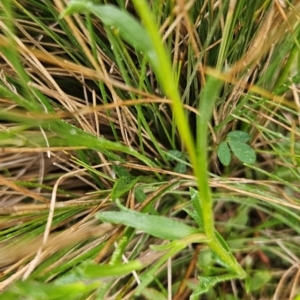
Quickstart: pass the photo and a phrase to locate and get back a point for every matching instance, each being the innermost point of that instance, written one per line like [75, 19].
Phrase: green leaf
[122, 186]
[120, 21]
[197, 213]
[159, 226]
[93, 270]
[180, 168]
[152, 294]
[120, 171]
[224, 154]
[240, 136]
[39, 291]
[116, 256]
[178, 156]
[139, 195]
[173, 154]
[242, 151]
[206, 283]
[257, 280]
[223, 243]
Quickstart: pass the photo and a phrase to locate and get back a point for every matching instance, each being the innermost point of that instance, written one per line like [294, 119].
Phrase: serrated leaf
[240, 136]
[242, 151]
[158, 226]
[122, 186]
[206, 283]
[224, 154]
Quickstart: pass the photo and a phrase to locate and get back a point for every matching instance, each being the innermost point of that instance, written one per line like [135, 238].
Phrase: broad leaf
[258, 280]
[178, 156]
[240, 136]
[173, 154]
[242, 151]
[180, 168]
[224, 154]
[159, 226]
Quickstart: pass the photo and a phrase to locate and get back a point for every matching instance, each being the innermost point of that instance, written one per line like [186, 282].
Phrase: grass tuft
[149, 150]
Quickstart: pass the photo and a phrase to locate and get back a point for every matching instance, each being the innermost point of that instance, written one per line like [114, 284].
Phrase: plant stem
[163, 71]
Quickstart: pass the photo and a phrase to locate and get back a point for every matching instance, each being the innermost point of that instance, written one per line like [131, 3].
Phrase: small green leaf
[152, 294]
[116, 256]
[224, 154]
[120, 171]
[258, 280]
[242, 151]
[139, 195]
[197, 213]
[173, 154]
[206, 283]
[122, 186]
[92, 270]
[240, 136]
[178, 156]
[180, 168]
[158, 226]
[223, 243]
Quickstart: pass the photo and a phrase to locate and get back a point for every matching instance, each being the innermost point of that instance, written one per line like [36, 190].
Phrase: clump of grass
[149, 150]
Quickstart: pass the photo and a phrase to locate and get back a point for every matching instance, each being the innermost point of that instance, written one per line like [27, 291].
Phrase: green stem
[162, 67]
[208, 97]
[286, 70]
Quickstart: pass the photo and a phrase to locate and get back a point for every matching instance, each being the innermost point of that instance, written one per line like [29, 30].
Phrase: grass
[111, 173]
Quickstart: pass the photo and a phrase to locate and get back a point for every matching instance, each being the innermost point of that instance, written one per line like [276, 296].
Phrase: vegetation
[149, 150]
